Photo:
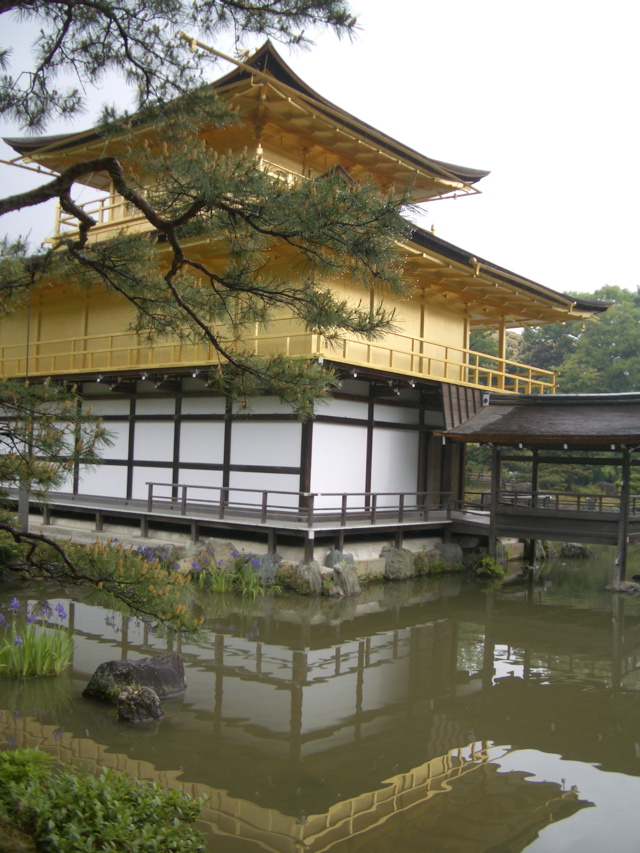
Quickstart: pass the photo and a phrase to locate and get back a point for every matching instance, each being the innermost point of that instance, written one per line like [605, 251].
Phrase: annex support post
[496, 476]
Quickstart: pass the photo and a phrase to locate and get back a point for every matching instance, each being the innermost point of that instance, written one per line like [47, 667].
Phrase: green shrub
[489, 568]
[239, 576]
[64, 810]
[33, 647]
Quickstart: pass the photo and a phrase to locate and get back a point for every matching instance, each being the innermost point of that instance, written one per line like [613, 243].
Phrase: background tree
[548, 346]
[598, 357]
[606, 357]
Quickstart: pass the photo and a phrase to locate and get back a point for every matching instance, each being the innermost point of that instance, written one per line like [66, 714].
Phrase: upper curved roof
[436, 177]
[268, 61]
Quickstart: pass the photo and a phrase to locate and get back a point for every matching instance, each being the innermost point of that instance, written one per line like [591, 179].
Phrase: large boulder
[308, 580]
[449, 553]
[575, 551]
[164, 674]
[399, 565]
[345, 580]
[269, 565]
[139, 705]
[335, 557]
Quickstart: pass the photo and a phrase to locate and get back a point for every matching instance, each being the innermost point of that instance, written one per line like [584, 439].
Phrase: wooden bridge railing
[545, 500]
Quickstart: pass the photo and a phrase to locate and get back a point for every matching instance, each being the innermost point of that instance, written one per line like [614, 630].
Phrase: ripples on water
[420, 716]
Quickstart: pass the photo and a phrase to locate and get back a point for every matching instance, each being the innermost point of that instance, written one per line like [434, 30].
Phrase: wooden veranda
[270, 515]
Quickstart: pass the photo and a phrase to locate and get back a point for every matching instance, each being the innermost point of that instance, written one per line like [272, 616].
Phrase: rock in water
[139, 705]
[400, 563]
[164, 674]
[309, 581]
[575, 551]
[346, 579]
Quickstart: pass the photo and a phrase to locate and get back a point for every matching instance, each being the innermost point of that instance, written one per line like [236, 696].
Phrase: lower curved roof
[582, 421]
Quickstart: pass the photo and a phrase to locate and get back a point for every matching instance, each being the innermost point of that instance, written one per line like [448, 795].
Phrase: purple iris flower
[14, 604]
[62, 613]
[17, 641]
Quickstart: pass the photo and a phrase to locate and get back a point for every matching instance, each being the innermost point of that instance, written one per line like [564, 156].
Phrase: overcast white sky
[544, 94]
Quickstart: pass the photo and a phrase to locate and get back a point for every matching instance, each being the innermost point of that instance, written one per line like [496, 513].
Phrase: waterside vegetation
[63, 810]
[36, 645]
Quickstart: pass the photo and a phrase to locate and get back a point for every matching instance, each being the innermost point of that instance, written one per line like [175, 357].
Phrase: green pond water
[432, 715]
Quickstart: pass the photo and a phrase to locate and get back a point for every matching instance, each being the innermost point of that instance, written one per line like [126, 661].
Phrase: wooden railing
[306, 508]
[408, 356]
[113, 212]
[551, 501]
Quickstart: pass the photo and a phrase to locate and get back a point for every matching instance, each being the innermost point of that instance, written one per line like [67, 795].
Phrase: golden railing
[407, 356]
[113, 211]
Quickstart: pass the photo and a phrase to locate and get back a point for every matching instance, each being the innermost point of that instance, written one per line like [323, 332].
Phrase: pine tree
[190, 195]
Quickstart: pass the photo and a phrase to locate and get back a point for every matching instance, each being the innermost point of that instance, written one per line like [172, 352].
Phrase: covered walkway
[578, 429]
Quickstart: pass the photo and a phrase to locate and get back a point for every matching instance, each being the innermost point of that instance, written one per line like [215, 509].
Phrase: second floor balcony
[405, 356]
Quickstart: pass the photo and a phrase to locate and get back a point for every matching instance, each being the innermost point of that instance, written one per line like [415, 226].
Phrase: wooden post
[496, 475]
[534, 478]
[271, 542]
[623, 520]
[534, 502]
[308, 546]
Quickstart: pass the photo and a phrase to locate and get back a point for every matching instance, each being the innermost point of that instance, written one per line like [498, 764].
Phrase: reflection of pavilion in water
[390, 813]
[306, 729]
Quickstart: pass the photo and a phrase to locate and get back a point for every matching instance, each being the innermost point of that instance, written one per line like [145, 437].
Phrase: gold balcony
[113, 214]
[410, 357]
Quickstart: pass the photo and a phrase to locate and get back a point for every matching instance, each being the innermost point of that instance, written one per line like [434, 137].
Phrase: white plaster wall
[202, 442]
[339, 462]
[192, 477]
[108, 481]
[394, 464]
[268, 406]
[395, 414]
[239, 480]
[203, 405]
[119, 434]
[156, 406]
[143, 475]
[256, 443]
[153, 441]
[343, 408]
[107, 407]
[66, 485]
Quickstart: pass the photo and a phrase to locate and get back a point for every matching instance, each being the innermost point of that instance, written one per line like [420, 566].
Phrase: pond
[428, 715]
